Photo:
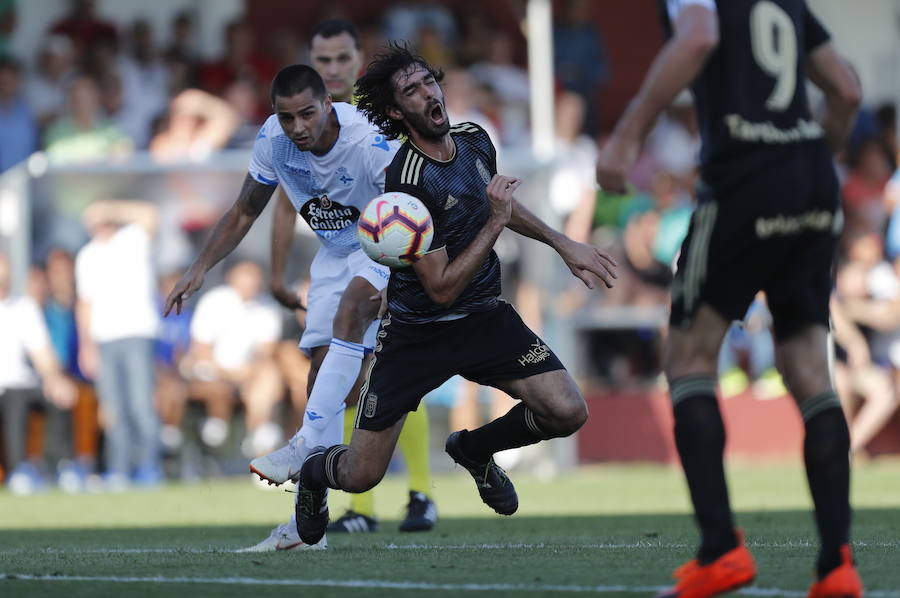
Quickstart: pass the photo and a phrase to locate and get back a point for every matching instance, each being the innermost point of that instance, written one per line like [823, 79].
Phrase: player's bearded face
[421, 101]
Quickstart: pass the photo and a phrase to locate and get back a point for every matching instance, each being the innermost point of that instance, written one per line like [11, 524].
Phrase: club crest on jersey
[483, 171]
[344, 176]
[324, 202]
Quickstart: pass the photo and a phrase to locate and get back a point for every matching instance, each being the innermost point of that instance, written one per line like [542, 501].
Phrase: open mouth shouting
[437, 115]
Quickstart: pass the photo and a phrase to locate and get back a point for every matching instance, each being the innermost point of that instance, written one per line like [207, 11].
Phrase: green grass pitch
[609, 530]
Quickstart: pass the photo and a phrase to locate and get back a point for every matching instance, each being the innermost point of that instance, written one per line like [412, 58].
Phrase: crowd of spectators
[98, 93]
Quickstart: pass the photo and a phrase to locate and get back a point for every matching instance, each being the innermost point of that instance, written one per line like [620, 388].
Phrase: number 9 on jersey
[395, 229]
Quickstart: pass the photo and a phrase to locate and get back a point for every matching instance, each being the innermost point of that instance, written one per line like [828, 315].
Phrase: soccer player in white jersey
[330, 161]
[336, 55]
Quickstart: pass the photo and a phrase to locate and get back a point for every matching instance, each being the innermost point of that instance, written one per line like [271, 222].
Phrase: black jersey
[455, 192]
[751, 95]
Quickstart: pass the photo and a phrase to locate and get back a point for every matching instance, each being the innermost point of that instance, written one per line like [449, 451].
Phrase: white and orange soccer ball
[395, 229]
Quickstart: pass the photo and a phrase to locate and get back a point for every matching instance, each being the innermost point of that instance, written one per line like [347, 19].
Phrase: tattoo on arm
[254, 196]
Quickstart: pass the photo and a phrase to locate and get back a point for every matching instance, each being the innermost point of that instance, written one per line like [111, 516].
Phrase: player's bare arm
[582, 259]
[843, 95]
[282, 240]
[228, 232]
[443, 279]
[679, 63]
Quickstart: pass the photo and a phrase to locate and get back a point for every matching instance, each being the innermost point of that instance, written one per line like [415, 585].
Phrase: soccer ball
[395, 229]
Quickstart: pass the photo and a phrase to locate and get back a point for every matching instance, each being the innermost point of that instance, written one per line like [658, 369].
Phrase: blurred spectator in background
[292, 362]
[183, 39]
[144, 82]
[288, 48]
[509, 82]
[172, 345]
[573, 186]
[46, 88]
[59, 313]
[83, 27]
[857, 377]
[579, 57]
[25, 347]
[863, 188]
[84, 134]
[241, 97]
[242, 59]
[59, 309]
[405, 20]
[477, 31]
[465, 98]
[750, 342]
[892, 207]
[196, 125]
[117, 323]
[18, 129]
[233, 336]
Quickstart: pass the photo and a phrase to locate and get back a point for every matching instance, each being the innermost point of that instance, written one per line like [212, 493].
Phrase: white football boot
[284, 537]
[282, 464]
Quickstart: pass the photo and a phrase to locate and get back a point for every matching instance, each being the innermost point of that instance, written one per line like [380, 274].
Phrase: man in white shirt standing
[117, 324]
[24, 338]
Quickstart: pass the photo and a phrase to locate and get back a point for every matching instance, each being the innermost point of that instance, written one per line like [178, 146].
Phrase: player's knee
[352, 319]
[570, 416]
[805, 382]
[362, 480]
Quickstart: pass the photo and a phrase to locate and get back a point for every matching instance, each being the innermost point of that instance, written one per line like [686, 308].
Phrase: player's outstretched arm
[226, 235]
[282, 239]
[581, 259]
[443, 279]
[843, 95]
[677, 64]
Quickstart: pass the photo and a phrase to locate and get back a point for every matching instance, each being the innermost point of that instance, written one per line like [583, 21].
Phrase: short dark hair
[375, 91]
[296, 78]
[333, 27]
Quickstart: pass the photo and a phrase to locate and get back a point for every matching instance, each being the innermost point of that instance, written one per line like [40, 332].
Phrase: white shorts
[329, 275]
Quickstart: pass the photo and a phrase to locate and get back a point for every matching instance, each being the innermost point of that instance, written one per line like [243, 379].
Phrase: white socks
[337, 374]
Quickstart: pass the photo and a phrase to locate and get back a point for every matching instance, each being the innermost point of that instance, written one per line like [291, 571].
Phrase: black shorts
[413, 359]
[777, 233]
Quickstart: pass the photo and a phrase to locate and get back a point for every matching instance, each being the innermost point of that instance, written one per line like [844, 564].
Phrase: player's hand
[287, 297]
[60, 391]
[381, 296]
[500, 193]
[615, 162]
[189, 284]
[88, 359]
[584, 260]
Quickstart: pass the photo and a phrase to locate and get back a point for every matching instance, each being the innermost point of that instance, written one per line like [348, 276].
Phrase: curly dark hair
[375, 90]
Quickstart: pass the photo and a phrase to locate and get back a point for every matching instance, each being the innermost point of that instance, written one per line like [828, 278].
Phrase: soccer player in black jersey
[444, 315]
[768, 219]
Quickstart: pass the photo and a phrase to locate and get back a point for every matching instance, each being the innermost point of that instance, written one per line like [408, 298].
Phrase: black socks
[517, 428]
[826, 452]
[700, 438]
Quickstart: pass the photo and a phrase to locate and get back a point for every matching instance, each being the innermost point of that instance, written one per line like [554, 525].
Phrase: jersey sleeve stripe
[260, 178]
[409, 155]
[417, 170]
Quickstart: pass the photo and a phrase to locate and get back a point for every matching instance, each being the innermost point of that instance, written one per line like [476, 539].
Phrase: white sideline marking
[510, 546]
[398, 585]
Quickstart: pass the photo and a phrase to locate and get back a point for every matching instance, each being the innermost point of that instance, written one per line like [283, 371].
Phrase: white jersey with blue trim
[329, 191]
